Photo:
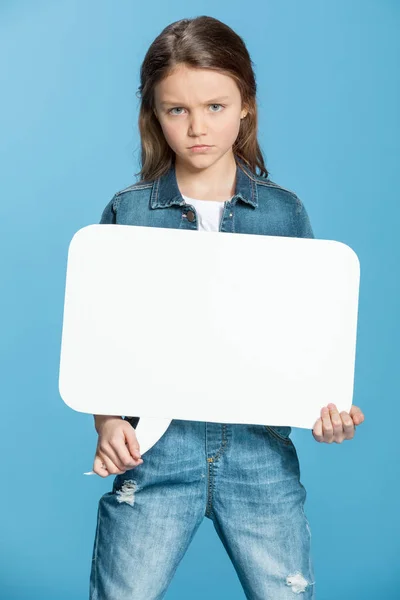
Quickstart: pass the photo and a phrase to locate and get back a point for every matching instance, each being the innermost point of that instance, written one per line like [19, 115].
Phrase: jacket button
[190, 215]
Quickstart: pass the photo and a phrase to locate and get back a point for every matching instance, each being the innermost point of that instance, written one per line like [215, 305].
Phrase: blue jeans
[245, 478]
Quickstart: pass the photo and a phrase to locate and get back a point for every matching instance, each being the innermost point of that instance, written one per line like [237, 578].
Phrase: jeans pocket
[281, 432]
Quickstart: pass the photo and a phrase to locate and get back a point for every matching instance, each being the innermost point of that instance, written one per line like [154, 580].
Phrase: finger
[356, 414]
[99, 467]
[133, 445]
[348, 425]
[126, 457]
[317, 431]
[110, 465]
[123, 455]
[327, 427]
[337, 423]
[107, 451]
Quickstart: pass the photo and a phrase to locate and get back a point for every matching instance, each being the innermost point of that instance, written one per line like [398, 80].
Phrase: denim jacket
[258, 206]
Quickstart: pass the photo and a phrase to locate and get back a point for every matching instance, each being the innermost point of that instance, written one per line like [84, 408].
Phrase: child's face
[190, 118]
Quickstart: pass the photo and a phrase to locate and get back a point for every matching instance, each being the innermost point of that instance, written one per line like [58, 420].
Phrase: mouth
[199, 147]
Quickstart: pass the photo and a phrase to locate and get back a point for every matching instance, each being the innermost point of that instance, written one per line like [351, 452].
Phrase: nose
[196, 126]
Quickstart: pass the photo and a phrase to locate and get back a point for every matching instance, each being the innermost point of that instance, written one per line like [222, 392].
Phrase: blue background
[328, 91]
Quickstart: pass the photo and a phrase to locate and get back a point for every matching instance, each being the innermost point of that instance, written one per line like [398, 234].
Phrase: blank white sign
[208, 326]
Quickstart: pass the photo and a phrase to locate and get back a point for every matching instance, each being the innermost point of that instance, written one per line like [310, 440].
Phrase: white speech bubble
[235, 328]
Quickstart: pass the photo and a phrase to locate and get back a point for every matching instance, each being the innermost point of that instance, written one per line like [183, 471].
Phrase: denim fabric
[258, 206]
[245, 478]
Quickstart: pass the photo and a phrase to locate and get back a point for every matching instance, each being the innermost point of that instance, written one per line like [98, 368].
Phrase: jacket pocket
[281, 432]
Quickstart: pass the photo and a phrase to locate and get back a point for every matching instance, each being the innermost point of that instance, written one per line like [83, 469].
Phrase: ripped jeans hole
[297, 582]
[127, 492]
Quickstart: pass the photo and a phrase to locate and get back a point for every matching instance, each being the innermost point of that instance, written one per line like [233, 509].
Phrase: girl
[199, 157]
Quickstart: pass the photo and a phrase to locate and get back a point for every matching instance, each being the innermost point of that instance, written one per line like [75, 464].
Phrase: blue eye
[180, 108]
[177, 108]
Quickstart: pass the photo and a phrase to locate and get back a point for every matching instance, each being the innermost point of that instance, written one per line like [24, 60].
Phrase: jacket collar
[165, 190]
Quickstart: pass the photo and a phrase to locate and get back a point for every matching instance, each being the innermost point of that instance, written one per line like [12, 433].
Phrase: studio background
[328, 95]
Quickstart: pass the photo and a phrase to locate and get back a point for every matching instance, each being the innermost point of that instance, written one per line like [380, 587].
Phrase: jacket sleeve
[109, 216]
[304, 229]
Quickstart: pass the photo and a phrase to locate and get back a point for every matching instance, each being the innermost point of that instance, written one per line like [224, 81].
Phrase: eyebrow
[165, 102]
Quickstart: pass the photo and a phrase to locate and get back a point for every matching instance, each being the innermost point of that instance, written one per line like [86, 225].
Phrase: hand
[335, 427]
[117, 447]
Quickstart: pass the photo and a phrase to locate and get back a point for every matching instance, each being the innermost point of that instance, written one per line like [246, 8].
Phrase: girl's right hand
[117, 447]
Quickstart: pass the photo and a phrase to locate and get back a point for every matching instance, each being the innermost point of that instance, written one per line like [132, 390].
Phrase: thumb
[132, 444]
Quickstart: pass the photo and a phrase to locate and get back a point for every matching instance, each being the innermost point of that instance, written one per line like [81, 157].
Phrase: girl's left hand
[335, 427]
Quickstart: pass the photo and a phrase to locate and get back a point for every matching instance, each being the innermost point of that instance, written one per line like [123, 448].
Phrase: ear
[245, 111]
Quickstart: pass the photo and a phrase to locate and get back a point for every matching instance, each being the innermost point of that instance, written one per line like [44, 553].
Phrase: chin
[197, 160]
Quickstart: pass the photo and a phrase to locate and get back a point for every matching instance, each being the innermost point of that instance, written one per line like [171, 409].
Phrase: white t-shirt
[209, 212]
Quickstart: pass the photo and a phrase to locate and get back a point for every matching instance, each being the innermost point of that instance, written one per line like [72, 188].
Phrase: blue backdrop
[328, 89]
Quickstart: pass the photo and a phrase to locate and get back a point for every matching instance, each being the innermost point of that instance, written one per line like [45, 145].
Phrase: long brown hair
[207, 43]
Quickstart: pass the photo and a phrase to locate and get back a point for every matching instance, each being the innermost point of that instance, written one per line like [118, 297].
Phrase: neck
[215, 182]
